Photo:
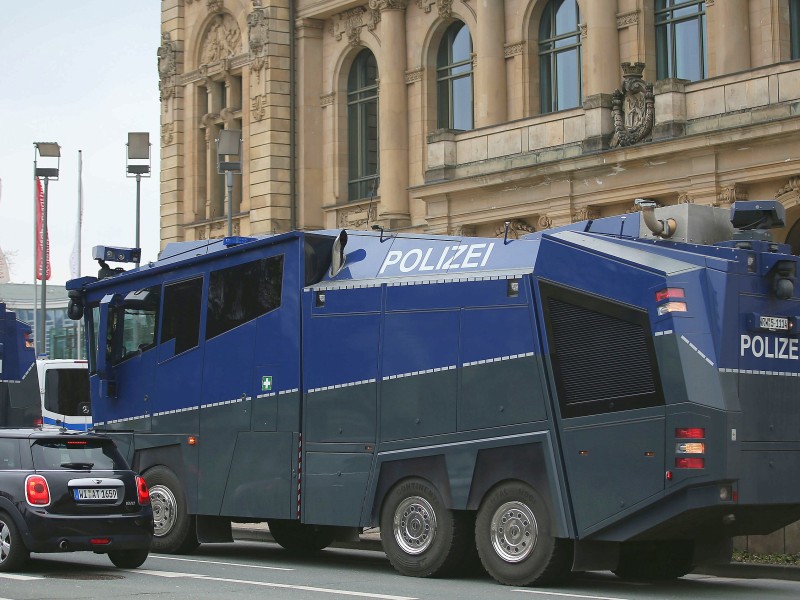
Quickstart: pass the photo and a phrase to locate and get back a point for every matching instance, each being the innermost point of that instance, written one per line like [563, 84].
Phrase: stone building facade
[456, 116]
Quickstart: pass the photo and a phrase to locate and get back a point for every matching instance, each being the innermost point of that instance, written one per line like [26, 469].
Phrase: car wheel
[513, 533]
[13, 553]
[173, 526]
[420, 536]
[300, 538]
[128, 559]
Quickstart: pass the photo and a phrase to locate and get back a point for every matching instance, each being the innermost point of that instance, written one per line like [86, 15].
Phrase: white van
[54, 393]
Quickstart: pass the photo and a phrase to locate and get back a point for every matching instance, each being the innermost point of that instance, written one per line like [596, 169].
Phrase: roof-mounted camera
[753, 219]
[108, 253]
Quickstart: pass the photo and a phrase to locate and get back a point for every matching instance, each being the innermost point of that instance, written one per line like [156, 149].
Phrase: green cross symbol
[266, 383]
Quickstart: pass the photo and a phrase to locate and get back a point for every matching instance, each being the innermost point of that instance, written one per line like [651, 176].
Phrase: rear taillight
[142, 493]
[672, 305]
[36, 490]
[690, 433]
[691, 448]
[38, 422]
[690, 462]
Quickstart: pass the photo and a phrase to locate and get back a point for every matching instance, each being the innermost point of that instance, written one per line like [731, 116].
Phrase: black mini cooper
[64, 492]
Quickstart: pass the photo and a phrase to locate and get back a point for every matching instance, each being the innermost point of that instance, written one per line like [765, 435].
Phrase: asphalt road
[264, 571]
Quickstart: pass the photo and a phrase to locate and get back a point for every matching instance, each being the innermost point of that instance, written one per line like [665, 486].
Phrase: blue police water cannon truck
[620, 393]
[17, 354]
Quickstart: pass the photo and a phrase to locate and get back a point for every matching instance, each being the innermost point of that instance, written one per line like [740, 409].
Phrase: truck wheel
[300, 538]
[655, 561]
[173, 526]
[128, 559]
[419, 535]
[513, 533]
[13, 553]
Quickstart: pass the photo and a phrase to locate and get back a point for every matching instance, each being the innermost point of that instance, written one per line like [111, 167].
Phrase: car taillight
[692, 448]
[672, 305]
[36, 490]
[669, 294]
[142, 493]
[690, 463]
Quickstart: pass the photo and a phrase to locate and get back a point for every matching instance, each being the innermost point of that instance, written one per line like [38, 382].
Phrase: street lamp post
[229, 161]
[52, 152]
[138, 151]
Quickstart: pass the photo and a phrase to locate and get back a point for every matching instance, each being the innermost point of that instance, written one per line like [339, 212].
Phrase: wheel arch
[526, 463]
[170, 457]
[433, 469]
[9, 508]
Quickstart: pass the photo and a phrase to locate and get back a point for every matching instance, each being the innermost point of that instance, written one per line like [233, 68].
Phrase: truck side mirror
[104, 340]
[337, 254]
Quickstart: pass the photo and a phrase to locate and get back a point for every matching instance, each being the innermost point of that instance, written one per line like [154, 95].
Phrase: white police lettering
[461, 256]
[762, 346]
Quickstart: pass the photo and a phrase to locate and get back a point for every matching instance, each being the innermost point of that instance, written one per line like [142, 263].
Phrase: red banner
[39, 231]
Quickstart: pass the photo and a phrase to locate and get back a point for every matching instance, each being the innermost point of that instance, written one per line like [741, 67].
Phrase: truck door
[607, 401]
[180, 356]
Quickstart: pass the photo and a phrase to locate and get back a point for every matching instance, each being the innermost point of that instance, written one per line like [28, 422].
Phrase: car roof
[36, 433]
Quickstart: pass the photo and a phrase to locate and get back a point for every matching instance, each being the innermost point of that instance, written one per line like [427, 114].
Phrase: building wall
[732, 135]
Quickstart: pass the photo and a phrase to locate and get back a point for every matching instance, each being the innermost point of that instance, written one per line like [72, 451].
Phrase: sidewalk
[371, 541]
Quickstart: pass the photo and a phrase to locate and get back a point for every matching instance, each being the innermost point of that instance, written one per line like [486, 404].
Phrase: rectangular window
[66, 392]
[97, 455]
[136, 322]
[794, 24]
[242, 293]
[9, 454]
[181, 320]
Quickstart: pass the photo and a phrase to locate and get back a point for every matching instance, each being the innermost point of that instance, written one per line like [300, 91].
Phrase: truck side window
[181, 320]
[242, 293]
[138, 318]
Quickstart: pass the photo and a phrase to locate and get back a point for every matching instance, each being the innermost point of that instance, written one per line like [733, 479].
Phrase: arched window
[454, 78]
[362, 127]
[560, 56]
[681, 39]
[794, 21]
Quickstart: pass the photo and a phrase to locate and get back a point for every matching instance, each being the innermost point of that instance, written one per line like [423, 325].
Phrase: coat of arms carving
[633, 107]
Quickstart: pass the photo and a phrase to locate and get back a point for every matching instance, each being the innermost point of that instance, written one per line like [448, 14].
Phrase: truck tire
[299, 538]
[420, 536]
[128, 559]
[655, 560]
[13, 553]
[174, 528]
[513, 534]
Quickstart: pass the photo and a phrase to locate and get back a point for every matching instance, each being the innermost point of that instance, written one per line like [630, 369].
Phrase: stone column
[309, 127]
[490, 72]
[601, 47]
[731, 23]
[393, 109]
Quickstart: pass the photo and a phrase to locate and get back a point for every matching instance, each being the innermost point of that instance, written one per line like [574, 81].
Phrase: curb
[371, 542]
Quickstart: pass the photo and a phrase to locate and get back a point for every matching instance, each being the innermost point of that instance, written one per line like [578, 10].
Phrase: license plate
[95, 494]
[774, 323]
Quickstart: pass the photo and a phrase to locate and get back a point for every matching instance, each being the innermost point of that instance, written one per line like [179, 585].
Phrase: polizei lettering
[762, 346]
[460, 256]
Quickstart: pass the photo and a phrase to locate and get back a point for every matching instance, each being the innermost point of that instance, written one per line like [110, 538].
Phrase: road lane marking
[18, 577]
[567, 595]
[285, 586]
[215, 562]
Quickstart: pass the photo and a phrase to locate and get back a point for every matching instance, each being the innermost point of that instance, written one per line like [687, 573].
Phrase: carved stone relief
[584, 214]
[514, 49]
[632, 107]
[545, 222]
[258, 31]
[167, 131]
[627, 19]
[221, 40]
[414, 75]
[354, 218]
[730, 194]
[444, 7]
[167, 66]
[349, 24]
[685, 198]
[388, 4]
[516, 229]
[258, 108]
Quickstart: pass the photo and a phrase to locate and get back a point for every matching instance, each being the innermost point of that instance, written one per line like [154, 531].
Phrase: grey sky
[82, 74]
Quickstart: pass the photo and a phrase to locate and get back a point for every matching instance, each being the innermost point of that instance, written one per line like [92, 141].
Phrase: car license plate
[95, 494]
[774, 323]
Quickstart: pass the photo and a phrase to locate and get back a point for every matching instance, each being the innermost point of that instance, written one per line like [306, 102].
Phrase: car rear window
[77, 454]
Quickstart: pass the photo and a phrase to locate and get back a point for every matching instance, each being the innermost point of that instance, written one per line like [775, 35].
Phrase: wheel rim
[165, 510]
[414, 525]
[514, 531]
[5, 542]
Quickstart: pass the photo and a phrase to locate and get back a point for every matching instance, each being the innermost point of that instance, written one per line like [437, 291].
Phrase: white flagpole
[76, 250]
